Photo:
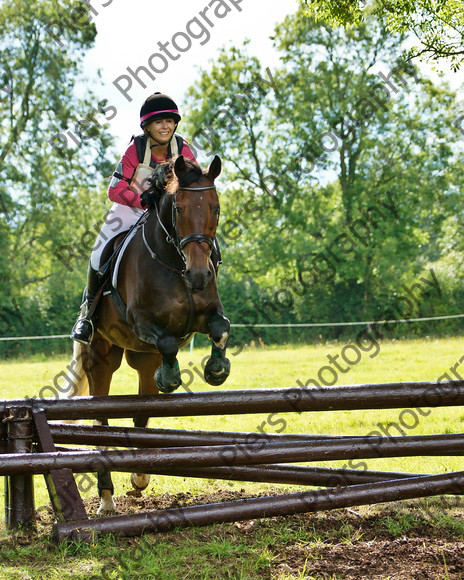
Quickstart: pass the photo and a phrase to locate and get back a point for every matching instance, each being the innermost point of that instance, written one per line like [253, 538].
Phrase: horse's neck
[165, 211]
[159, 224]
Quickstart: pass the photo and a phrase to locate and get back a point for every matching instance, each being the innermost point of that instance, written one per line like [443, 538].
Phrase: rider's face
[161, 130]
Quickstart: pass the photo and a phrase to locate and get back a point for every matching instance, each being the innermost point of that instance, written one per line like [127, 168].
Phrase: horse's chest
[185, 314]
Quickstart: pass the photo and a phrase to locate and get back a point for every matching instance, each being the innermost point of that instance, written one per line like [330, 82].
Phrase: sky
[128, 38]
[190, 33]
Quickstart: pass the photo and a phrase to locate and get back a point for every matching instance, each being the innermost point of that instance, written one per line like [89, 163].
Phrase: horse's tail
[77, 384]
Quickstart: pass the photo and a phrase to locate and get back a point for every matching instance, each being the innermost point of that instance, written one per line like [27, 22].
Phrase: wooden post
[279, 505]
[5, 479]
[236, 402]
[19, 496]
[64, 494]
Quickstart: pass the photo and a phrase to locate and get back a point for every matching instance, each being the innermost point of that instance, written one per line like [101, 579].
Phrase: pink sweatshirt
[118, 190]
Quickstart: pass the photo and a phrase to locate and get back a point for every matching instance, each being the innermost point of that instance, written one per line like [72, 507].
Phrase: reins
[155, 256]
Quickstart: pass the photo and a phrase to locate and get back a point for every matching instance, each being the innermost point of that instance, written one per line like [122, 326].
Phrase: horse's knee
[167, 346]
[219, 330]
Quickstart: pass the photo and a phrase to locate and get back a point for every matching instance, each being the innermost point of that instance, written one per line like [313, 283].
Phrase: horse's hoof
[217, 370]
[167, 387]
[107, 505]
[140, 481]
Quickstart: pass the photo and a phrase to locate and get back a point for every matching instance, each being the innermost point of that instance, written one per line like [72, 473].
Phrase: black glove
[146, 199]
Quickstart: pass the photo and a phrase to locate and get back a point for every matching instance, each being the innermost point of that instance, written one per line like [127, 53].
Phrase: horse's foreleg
[217, 368]
[145, 327]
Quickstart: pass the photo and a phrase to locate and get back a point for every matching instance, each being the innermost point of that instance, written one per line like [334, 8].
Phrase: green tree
[54, 150]
[346, 125]
[437, 24]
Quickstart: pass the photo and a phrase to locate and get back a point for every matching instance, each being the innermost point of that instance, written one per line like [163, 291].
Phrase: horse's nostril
[198, 278]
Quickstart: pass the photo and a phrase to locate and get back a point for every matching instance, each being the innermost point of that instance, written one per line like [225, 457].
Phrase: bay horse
[167, 282]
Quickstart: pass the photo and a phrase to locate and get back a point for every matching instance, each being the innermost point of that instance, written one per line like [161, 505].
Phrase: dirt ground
[412, 540]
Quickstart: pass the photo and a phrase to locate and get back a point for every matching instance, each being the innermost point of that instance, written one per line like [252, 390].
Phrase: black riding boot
[84, 328]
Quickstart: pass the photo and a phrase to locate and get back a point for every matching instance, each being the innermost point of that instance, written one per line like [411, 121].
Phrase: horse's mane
[164, 181]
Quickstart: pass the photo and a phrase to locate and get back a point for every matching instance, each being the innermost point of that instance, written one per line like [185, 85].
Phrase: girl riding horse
[159, 117]
[163, 289]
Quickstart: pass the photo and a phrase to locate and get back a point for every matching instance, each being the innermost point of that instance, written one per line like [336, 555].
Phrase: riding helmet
[158, 106]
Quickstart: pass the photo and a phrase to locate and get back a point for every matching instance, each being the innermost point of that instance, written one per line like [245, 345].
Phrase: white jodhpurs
[119, 219]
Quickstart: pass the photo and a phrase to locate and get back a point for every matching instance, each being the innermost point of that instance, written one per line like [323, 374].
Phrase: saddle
[109, 266]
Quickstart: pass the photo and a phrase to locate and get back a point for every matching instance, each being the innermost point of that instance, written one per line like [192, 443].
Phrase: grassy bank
[251, 550]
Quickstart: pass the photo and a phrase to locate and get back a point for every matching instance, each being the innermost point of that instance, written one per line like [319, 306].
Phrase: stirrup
[83, 331]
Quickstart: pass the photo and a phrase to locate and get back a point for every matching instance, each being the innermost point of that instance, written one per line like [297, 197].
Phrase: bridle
[178, 242]
[199, 238]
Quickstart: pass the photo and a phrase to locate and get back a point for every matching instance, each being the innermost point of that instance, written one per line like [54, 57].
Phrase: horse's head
[195, 212]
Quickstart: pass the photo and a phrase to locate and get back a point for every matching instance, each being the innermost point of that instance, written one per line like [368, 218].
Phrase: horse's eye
[217, 210]
[178, 210]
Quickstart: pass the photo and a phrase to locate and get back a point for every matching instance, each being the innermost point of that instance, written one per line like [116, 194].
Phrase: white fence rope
[281, 325]
[352, 323]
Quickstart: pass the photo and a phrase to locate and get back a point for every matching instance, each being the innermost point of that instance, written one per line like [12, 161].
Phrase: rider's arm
[118, 190]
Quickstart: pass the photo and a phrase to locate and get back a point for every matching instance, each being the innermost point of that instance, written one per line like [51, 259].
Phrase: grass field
[238, 550]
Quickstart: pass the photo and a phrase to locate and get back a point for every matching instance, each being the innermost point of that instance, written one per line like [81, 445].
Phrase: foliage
[313, 150]
[46, 190]
[437, 24]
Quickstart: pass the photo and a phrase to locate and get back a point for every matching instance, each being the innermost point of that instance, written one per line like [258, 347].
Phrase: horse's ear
[215, 168]
[179, 165]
